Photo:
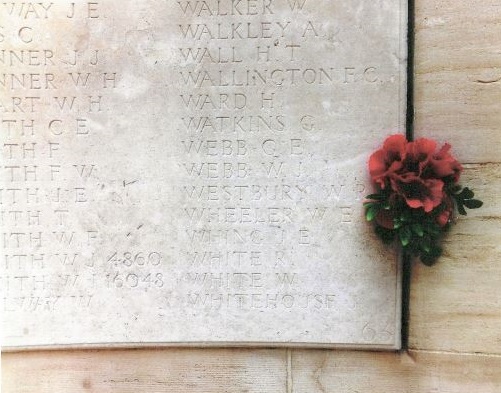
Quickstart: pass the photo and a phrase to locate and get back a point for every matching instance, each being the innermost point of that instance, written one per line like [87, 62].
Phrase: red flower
[418, 192]
[415, 171]
[443, 164]
[387, 161]
[418, 155]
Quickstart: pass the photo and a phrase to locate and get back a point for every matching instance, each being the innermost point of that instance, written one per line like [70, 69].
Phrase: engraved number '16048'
[135, 280]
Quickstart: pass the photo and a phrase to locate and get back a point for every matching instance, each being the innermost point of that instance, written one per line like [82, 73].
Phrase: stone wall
[455, 334]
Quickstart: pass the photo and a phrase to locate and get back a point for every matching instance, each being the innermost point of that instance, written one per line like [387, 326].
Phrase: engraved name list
[179, 172]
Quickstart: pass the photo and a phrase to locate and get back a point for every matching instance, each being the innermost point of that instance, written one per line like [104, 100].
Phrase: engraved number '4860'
[135, 258]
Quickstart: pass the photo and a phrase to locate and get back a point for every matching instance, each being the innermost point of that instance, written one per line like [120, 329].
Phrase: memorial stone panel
[192, 172]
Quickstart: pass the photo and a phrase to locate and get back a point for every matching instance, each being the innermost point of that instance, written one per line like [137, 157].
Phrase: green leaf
[386, 235]
[433, 229]
[405, 235]
[461, 208]
[375, 197]
[435, 251]
[405, 216]
[417, 228]
[430, 258]
[426, 244]
[473, 203]
[467, 193]
[372, 212]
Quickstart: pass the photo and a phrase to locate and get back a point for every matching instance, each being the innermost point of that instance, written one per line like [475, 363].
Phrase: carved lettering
[196, 164]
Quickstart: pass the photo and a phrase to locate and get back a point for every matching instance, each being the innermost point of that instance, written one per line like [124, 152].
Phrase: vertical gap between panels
[409, 124]
[409, 131]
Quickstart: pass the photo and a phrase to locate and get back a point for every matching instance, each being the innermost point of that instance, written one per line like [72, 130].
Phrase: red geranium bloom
[418, 192]
[388, 160]
[418, 155]
[414, 170]
[443, 164]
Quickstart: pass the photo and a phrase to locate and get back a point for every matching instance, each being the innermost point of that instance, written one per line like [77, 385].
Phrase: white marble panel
[192, 172]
